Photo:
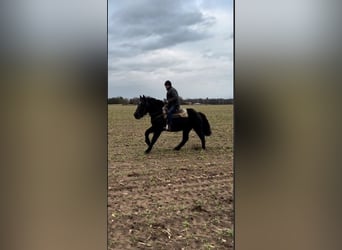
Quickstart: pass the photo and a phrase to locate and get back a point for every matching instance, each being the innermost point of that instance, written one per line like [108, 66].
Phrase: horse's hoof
[147, 151]
[176, 148]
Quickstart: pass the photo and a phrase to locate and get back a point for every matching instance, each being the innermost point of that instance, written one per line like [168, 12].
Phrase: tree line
[188, 101]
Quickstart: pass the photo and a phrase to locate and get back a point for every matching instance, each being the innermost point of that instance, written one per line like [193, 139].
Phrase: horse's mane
[155, 101]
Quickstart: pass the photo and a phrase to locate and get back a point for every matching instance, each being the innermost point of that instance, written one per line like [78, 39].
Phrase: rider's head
[167, 84]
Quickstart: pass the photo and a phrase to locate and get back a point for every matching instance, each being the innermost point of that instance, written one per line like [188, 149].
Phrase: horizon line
[180, 97]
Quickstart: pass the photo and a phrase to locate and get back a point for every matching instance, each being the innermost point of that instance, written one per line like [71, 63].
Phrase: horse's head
[142, 108]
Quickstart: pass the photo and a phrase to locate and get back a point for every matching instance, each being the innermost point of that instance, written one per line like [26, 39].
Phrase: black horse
[194, 120]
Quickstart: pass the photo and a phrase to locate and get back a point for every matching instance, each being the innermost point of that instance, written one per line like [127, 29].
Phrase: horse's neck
[156, 110]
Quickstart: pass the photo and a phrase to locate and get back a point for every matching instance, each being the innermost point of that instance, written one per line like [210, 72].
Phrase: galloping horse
[194, 120]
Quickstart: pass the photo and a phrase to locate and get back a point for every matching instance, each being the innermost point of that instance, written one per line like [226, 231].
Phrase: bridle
[145, 109]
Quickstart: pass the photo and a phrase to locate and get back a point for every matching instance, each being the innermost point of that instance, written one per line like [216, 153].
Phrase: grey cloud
[119, 50]
[150, 25]
[149, 65]
[229, 36]
[218, 55]
[181, 35]
[150, 41]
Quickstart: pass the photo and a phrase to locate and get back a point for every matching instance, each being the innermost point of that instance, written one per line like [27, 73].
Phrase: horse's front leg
[147, 133]
[155, 137]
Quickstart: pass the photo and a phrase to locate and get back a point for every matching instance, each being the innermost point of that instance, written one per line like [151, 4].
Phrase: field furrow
[170, 199]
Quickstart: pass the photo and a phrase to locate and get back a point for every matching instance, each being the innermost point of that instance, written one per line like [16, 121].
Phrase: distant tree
[118, 100]
[134, 100]
[213, 101]
[188, 101]
[181, 101]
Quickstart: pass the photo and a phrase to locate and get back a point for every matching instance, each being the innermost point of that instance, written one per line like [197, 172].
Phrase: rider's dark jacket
[172, 98]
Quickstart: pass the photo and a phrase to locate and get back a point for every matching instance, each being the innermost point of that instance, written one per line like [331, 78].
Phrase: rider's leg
[169, 116]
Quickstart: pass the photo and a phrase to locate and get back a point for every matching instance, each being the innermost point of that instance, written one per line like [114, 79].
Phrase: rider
[172, 103]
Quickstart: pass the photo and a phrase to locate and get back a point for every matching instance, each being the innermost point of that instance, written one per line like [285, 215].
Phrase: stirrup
[167, 128]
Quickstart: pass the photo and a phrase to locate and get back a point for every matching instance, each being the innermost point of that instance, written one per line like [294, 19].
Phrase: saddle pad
[181, 113]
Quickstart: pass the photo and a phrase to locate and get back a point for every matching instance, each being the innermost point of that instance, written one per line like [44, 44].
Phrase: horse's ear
[144, 97]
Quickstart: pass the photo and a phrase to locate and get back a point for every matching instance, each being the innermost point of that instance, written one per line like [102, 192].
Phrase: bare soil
[169, 199]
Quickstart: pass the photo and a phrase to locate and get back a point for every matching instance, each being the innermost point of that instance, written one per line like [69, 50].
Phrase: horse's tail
[206, 125]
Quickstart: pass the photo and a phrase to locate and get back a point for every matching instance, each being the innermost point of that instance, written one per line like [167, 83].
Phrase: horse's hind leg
[156, 135]
[200, 134]
[184, 139]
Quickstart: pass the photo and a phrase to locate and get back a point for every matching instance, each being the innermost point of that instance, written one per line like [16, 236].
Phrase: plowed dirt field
[170, 199]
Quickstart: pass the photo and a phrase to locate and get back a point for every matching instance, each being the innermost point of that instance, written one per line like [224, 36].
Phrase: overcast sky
[188, 42]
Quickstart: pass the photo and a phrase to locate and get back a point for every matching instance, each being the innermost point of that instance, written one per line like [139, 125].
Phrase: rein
[156, 114]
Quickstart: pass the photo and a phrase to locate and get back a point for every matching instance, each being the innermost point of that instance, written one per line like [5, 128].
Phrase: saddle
[181, 112]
